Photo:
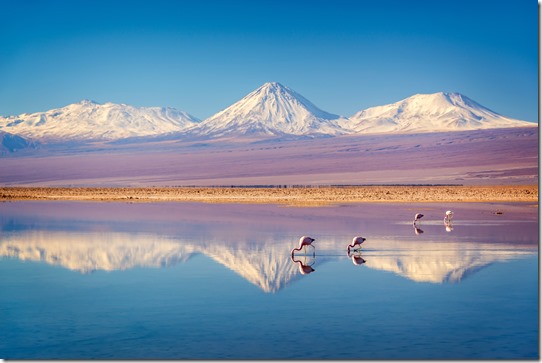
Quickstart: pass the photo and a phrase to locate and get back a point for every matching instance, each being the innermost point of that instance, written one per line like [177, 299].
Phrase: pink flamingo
[304, 241]
[356, 241]
[417, 217]
[448, 217]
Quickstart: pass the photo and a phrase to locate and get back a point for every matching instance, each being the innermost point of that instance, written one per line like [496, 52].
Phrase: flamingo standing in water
[417, 217]
[304, 241]
[356, 241]
[448, 220]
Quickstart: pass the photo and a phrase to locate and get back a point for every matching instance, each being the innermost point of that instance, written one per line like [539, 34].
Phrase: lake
[83, 280]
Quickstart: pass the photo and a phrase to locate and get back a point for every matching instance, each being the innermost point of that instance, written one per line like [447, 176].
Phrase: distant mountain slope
[429, 113]
[88, 120]
[272, 109]
[10, 143]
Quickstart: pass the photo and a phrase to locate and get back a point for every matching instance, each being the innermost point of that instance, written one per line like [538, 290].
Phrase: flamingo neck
[296, 249]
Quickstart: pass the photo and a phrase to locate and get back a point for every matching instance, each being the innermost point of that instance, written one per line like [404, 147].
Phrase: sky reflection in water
[113, 280]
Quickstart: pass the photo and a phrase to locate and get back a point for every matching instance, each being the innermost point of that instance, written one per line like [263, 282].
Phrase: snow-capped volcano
[88, 120]
[272, 109]
[430, 113]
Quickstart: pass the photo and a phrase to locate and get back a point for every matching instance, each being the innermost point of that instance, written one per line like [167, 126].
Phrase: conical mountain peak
[271, 109]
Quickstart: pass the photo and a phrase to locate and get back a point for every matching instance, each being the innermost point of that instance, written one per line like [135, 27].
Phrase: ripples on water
[181, 281]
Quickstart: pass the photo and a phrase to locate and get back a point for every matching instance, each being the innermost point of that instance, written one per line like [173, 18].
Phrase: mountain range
[88, 120]
[270, 110]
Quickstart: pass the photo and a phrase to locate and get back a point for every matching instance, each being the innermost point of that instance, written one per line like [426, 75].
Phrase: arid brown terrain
[289, 196]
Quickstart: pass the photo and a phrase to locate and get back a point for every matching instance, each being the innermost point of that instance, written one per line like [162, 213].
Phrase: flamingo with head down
[417, 217]
[304, 241]
[356, 241]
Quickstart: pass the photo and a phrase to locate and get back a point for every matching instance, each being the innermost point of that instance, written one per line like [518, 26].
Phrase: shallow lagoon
[213, 281]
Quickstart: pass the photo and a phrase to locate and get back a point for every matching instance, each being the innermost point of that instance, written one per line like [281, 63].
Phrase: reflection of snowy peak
[266, 264]
[272, 109]
[95, 251]
[429, 113]
[439, 266]
[268, 267]
[88, 120]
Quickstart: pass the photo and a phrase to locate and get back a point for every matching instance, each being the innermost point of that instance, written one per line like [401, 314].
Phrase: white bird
[417, 217]
[356, 241]
[304, 241]
[448, 217]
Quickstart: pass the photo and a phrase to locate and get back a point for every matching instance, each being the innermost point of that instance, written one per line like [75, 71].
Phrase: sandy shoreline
[289, 196]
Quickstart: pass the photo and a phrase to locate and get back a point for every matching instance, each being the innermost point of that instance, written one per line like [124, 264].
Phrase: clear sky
[201, 56]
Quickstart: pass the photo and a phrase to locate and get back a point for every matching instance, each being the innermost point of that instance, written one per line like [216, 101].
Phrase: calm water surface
[204, 281]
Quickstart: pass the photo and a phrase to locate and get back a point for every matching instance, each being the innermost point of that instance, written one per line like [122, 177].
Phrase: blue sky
[201, 56]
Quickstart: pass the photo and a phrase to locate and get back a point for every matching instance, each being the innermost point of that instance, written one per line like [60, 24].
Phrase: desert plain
[300, 196]
[496, 165]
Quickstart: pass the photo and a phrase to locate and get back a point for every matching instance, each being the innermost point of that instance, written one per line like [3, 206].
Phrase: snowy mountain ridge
[430, 113]
[88, 120]
[269, 111]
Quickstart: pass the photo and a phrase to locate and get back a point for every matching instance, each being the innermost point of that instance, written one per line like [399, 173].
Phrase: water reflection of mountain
[439, 262]
[265, 264]
[87, 252]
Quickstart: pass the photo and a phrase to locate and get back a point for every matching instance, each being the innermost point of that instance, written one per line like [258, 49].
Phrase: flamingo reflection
[357, 259]
[304, 268]
[305, 241]
[417, 231]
